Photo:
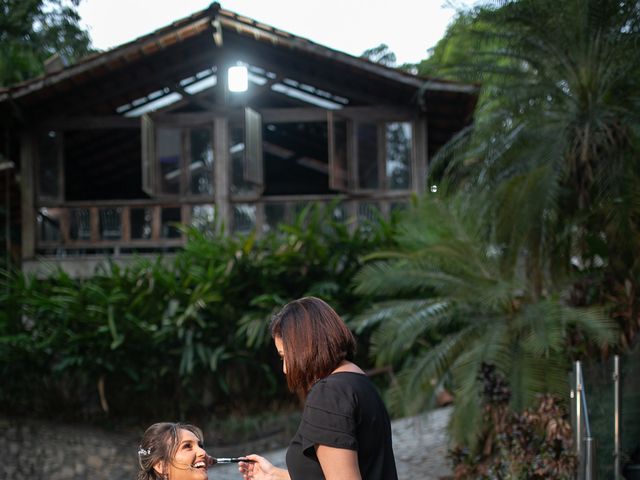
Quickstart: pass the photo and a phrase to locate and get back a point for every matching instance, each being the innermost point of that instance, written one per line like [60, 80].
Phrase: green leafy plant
[178, 337]
[457, 301]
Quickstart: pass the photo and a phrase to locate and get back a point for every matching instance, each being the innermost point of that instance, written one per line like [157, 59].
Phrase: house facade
[107, 155]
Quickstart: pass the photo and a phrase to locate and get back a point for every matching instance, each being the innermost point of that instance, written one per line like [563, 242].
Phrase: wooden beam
[90, 123]
[135, 83]
[127, 53]
[296, 114]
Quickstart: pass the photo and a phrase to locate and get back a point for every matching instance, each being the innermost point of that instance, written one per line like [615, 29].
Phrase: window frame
[381, 123]
[150, 161]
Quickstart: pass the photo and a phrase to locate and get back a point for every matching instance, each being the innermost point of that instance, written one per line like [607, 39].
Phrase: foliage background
[173, 338]
[31, 31]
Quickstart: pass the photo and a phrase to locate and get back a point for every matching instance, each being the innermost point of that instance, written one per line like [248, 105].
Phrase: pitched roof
[208, 19]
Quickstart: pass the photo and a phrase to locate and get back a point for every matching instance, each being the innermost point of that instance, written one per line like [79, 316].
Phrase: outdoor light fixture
[238, 78]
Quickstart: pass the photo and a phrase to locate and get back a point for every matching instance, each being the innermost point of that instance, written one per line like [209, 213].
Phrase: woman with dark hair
[345, 433]
[172, 451]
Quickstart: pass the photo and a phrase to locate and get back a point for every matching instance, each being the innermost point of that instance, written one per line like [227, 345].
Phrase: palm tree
[491, 270]
[457, 304]
[556, 133]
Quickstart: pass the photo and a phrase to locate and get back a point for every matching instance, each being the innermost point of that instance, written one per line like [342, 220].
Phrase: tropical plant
[539, 214]
[178, 337]
[456, 301]
[536, 444]
[553, 150]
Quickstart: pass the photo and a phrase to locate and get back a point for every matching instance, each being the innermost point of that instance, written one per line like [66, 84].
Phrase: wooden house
[106, 155]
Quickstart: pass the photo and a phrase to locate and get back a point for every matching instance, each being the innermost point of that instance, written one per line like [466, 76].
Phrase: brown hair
[315, 341]
[158, 445]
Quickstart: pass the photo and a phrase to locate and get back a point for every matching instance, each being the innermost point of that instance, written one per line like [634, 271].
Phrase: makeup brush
[213, 460]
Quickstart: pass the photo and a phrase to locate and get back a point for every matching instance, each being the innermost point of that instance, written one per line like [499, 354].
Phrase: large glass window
[398, 155]
[385, 155]
[177, 160]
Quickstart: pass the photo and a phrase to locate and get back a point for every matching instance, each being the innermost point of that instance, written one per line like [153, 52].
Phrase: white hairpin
[143, 451]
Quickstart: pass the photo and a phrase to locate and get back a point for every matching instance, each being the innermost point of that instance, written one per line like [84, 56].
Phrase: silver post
[578, 406]
[589, 458]
[616, 417]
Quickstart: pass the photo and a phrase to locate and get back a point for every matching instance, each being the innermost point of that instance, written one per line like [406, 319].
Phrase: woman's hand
[261, 469]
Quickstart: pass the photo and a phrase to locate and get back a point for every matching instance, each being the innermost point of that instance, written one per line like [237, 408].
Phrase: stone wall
[40, 450]
[48, 451]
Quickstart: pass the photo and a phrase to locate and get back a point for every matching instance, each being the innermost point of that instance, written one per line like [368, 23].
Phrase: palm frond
[420, 376]
[400, 333]
[428, 312]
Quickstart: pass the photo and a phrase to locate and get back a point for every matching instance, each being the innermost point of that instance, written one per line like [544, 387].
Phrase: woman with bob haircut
[345, 432]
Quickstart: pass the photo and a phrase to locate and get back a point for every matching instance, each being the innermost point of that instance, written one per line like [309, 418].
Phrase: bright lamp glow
[238, 79]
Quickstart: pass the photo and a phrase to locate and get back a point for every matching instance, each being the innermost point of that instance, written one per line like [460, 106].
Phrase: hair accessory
[143, 451]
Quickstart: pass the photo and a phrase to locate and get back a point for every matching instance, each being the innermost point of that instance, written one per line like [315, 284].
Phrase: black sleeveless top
[343, 410]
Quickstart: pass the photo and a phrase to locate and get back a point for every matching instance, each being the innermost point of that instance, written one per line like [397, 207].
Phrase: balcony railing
[140, 225]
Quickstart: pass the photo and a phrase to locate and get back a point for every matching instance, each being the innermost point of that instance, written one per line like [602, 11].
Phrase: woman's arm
[261, 469]
[338, 463]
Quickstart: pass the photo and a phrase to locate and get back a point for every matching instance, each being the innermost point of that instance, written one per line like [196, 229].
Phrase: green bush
[173, 338]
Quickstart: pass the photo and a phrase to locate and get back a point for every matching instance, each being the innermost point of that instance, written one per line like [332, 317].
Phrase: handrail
[587, 426]
[616, 417]
[586, 455]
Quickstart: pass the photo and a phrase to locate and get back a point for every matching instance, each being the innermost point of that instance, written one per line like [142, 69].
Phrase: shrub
[172, 338]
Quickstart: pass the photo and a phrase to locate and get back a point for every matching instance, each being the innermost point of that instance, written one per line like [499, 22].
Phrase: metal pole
[589, 458]
[578, 404]
[587, 464]
[572, 401]
[616, 417]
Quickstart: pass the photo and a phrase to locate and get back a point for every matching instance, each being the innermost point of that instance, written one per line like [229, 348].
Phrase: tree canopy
[32, 31]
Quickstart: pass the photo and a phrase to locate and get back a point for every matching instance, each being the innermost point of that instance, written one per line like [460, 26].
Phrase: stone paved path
[419, 444]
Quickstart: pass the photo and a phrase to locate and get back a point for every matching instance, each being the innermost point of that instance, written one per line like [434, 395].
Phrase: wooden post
[222, 171]
[420, 156]
[94, 222]
[185, 218]
[125, 224]
[27, 193]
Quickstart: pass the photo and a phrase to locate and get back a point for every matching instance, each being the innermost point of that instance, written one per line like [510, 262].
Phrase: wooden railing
[148, 225]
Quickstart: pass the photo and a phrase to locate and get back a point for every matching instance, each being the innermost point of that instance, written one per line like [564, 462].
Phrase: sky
[408, 27]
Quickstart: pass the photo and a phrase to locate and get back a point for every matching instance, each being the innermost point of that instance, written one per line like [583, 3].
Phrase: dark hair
[315, 340]
[158, 445]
